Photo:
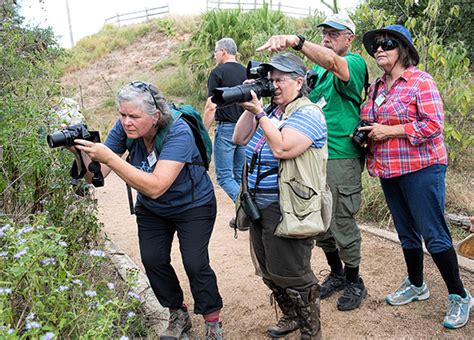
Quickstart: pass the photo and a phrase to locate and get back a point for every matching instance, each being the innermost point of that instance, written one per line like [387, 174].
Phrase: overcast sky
[88, 16]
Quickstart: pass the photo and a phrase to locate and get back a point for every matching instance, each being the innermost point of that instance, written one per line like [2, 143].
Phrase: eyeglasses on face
[333, 34]
[145, 88]
[386, 45]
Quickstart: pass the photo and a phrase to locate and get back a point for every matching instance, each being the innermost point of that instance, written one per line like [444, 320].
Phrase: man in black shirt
[228, 157]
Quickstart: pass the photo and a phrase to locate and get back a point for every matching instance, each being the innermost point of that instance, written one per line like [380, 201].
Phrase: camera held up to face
[262, 86]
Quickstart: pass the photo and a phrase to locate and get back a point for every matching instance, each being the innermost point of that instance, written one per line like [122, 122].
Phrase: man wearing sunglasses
[228, 157]
[340, 79]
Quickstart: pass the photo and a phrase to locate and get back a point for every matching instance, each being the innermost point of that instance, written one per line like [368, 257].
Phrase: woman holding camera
[406, 150]
[291, 130]
[174, 196]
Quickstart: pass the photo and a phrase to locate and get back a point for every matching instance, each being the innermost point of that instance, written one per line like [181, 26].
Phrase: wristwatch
[259, 115]
[300, 44]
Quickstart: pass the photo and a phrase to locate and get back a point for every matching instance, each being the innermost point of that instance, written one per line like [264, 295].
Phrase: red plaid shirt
[413, 101]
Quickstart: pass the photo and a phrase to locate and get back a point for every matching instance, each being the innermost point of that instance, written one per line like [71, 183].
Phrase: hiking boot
[332, 284]
[457, 312]
[353, 295]
[289, 322]
[179, 323]
[308, 311]
[407, 293]
[284, 326]
[214, 330]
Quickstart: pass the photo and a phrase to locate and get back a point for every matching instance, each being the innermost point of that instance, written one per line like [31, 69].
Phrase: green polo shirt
[342, 115]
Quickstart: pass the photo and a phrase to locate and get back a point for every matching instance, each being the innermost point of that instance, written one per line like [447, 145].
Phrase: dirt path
[247, 311]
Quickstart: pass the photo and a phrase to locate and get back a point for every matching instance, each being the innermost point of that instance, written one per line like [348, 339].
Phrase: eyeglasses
[145, 88]
[280, 79]
[387, 45]
[333, 34]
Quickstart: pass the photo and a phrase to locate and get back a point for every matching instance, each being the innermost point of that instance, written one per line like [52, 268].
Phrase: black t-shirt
[227, 75]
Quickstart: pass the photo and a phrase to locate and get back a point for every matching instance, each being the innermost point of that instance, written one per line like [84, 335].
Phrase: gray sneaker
[179, 323]
[407, 293]
[457, 312]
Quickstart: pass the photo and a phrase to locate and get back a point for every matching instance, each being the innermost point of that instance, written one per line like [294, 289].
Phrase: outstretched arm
[318, 54]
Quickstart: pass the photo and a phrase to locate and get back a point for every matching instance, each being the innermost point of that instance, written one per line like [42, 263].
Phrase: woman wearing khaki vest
[286, 157]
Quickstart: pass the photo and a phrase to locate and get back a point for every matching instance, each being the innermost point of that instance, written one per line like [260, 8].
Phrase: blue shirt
[309, 121]
[192, 188]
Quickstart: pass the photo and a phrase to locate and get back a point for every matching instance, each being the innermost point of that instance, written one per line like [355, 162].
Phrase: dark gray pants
[285, 262]
[344, 179]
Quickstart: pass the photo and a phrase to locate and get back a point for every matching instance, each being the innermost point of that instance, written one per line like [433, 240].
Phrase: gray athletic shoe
[179, 323]
[457, 313]
[407, 293]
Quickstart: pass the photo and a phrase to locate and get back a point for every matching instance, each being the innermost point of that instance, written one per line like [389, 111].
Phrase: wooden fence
[249, 5]
[140, 16]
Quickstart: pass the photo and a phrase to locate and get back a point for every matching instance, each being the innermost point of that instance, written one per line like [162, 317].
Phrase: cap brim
[279, 67]
[369, 38]
[334, 25]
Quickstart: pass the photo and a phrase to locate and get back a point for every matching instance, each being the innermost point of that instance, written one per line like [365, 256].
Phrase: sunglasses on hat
[145, 88]
[386, 45]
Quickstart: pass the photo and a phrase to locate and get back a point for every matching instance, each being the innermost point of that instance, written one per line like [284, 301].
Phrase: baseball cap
[288, 63]
[339, 21]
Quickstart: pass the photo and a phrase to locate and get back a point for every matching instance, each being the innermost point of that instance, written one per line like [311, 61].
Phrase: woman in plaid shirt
[406, 150]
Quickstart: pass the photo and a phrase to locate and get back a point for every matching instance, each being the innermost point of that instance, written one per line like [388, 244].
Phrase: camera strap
[374, 96]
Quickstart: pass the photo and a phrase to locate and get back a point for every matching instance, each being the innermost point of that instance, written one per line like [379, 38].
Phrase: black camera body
[67, 136]
[360, 137]
[262, 86]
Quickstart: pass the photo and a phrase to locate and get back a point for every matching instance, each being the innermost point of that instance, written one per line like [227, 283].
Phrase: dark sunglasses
[145, 88]
[387, 45]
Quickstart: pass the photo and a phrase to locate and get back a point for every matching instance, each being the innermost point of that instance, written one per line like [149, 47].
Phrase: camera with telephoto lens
[67, 136]
[250, 207]
[360, 137]
[262, 86]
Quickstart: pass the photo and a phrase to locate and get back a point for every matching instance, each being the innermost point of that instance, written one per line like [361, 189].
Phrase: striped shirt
[309, 121]
[415, 102]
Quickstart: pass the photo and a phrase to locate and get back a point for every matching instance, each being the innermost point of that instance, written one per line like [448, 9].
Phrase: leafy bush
[47, 288]
[53, 282]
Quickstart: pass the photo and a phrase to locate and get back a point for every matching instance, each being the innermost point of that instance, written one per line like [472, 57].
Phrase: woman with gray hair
[175, 195]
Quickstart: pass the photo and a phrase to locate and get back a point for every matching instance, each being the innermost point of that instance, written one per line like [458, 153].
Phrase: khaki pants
[344, 179]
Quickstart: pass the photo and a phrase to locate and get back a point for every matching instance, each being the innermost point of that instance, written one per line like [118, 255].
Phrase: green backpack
[193, 118]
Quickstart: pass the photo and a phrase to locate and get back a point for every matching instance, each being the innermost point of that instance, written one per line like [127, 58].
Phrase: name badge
[379, 100]
[151, 158]
[321, 103]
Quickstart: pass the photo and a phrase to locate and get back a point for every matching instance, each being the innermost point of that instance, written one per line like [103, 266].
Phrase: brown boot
[289, 321]
[179, 323]
[308, 310]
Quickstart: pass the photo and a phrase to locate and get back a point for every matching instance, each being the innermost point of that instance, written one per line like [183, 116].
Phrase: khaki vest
[305, 199]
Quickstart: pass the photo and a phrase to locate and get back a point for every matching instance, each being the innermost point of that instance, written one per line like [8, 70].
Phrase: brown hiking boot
[289, 322]
[179, 323]
[284, 326]
[308, 310]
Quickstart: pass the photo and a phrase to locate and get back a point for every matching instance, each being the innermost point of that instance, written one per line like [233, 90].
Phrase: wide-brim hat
[397, 31]
[288, 63]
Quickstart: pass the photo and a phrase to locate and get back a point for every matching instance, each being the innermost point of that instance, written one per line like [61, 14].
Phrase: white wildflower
[32, 324]
[134, 295]
[131, 314]
[90, 293]
[21, 253]
[110, 285]
[97, 253]
[5, 291]
[49, 336]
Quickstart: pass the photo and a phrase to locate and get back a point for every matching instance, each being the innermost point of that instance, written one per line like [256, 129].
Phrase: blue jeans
[416, 202]
[228, 159]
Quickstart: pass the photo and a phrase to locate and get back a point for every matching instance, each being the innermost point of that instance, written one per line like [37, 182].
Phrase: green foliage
[50, 287]
[46, 230]
[248, 29]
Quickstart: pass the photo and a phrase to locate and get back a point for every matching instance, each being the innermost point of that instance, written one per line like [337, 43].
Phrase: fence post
[279, 6]
[146, 14]
[118, 20]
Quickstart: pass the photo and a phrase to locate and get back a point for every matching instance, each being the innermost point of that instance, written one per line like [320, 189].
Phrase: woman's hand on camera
[380, 132]
[254, 106]
[96, 151]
